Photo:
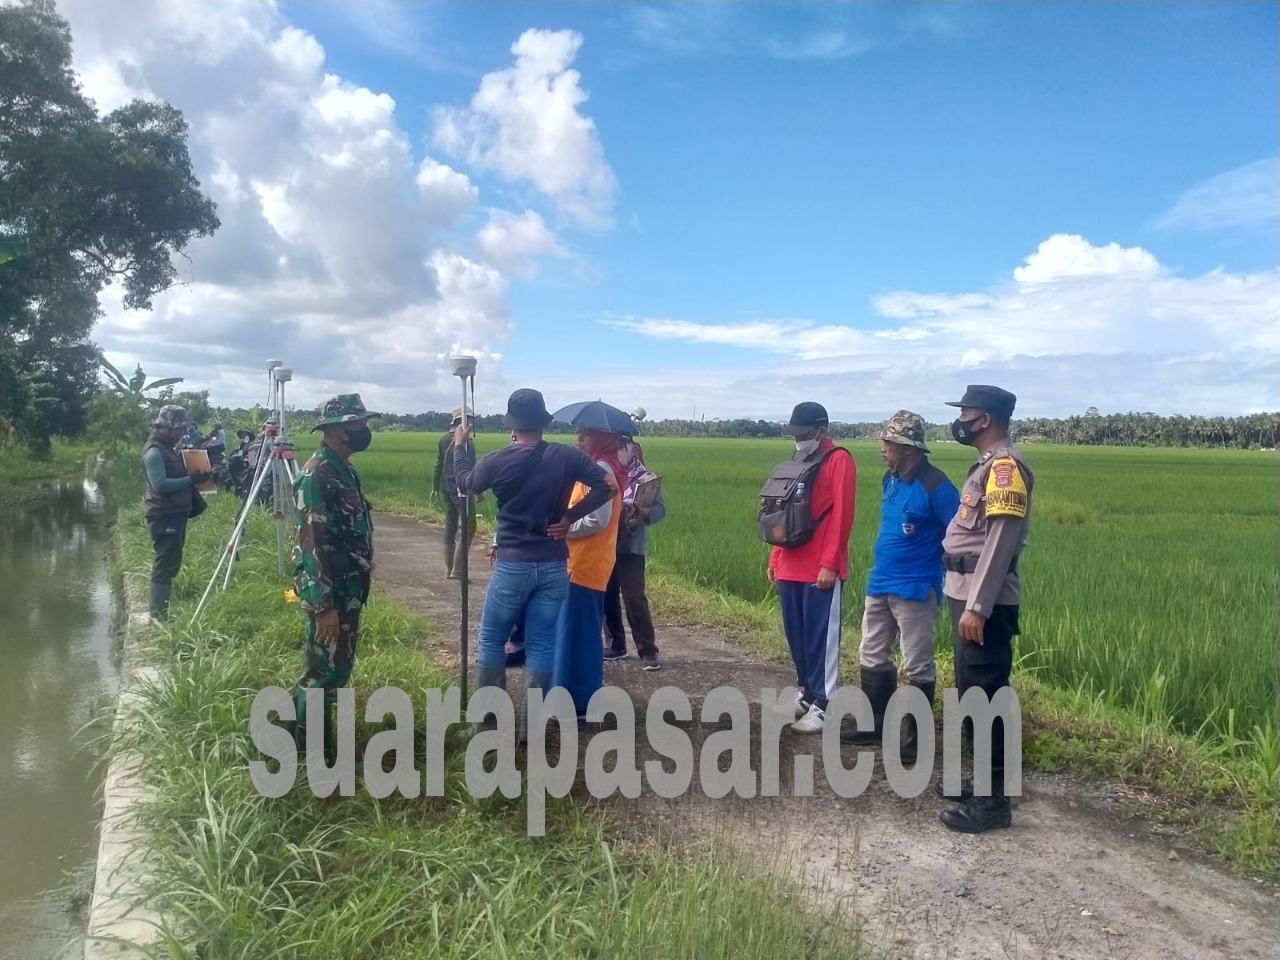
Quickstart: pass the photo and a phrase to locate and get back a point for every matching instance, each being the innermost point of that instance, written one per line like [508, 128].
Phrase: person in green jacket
[167, 502]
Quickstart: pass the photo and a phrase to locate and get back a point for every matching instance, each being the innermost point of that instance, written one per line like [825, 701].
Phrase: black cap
[805, 417]
[526, 410]
[987, 398]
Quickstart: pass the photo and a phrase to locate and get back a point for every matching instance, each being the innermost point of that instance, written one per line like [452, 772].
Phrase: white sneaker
[796, 710]
[811, 722]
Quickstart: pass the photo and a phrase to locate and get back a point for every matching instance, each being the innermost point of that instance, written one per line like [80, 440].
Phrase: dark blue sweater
[544, 499]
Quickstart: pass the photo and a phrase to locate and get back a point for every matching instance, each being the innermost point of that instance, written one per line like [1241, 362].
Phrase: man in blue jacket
[905, 586]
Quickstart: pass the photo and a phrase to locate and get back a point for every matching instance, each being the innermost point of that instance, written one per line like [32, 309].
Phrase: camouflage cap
[344, 408]
[906, 428]
[171, 415]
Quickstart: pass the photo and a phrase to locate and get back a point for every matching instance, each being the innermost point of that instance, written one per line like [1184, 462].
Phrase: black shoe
[910, 739]
[966, 790]
[978, 815]
[651, 662]
[612, 654]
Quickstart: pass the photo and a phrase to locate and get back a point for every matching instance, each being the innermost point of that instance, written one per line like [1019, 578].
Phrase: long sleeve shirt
[835, 488]
[915, 510]
[542, 500]
[991, 525]
[153, 463]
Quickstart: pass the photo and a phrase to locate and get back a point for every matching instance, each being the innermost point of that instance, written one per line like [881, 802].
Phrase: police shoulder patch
[1006, 489]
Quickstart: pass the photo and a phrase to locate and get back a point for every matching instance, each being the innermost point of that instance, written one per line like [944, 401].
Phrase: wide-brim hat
[526, 410]
[904, 427]
[344, 408]
[805, 417]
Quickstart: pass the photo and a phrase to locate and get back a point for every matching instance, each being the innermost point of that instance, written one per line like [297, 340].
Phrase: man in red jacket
[809, 577]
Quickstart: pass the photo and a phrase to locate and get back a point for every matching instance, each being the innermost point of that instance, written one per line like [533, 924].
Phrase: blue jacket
[914, 513]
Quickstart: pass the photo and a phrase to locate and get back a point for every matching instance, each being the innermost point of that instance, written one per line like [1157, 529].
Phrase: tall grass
[1150, 579]
[451, 877]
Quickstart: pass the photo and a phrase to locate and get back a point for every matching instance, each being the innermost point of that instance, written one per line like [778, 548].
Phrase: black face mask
[359, 438]
[963, 432]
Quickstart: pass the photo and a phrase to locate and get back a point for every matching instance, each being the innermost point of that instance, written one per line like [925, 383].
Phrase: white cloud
[1078, 325]
[336, 251]
[1069, 255]
[447, 195]
[512, 243]
[524, 122]
[1247, 196]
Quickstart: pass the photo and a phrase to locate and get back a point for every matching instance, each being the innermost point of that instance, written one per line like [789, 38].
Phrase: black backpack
[785, 517]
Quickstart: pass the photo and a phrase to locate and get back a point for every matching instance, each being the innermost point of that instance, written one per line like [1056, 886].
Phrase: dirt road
[1070, 879]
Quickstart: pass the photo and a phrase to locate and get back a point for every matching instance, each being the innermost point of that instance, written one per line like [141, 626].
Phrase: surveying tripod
[275, 461]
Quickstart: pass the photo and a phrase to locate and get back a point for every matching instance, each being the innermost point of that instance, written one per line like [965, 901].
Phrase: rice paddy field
[1150, 577]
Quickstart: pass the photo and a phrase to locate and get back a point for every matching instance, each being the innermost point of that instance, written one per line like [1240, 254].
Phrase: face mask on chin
[963, 432]
[359, 438]
[806, 447]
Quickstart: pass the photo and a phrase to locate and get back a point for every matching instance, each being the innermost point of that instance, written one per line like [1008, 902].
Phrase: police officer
[444, 486]
[981, 550]
[333, 558]
[167, 502]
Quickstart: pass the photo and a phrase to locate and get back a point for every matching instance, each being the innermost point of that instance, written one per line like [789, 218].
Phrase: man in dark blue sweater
[905, 586]
[532, 481]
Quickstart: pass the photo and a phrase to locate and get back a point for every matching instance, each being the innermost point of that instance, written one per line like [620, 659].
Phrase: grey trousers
[889, 619]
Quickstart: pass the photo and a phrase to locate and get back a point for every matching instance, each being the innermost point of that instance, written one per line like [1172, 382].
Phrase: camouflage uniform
[333, 560]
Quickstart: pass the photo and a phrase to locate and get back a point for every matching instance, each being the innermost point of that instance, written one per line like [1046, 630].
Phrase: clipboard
[647, 491]
[195, 461]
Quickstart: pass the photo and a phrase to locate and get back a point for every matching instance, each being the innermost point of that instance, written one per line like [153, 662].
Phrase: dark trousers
[987, 667]
[453, 509]
[168, 535]
[811, 621]
[626, 587]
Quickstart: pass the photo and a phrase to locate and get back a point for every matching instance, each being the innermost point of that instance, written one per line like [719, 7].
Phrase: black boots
[878, 684]
[979, 814]
[909, 739]
[160, 593]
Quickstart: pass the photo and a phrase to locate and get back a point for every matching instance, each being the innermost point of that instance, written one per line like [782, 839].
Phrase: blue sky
[720, 209]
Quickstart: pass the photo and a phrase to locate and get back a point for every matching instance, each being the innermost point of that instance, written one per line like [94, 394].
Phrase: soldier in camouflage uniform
[982, 546]
[333, 558]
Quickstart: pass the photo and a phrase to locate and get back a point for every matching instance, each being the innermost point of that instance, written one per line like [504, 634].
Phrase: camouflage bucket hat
[344, 408]
[171, 415]
[906, 428]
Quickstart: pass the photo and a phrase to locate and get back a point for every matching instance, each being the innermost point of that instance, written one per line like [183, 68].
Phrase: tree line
[1252, 431]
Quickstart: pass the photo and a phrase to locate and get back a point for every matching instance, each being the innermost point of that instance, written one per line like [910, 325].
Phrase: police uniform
[333, 562]
[981, 550]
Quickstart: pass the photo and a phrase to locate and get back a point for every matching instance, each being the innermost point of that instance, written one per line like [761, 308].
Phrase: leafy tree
[85, 201]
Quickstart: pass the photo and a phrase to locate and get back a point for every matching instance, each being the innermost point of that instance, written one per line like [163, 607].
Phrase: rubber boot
[490, 677]
[533, 680]
[160, 593]
[455, 567]
[909, 739]
[878, 684]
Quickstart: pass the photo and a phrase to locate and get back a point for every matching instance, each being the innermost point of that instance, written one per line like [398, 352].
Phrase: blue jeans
[532, 592]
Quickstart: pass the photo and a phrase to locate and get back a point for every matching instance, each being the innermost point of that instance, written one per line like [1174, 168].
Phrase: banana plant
[135, 386]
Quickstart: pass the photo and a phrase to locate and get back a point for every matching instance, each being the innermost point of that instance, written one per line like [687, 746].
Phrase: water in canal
[57, 674]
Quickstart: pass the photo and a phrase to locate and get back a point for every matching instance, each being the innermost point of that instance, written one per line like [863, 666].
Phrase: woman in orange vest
[593, 543]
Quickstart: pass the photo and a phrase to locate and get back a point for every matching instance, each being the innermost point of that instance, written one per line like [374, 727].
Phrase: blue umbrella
[597, 415]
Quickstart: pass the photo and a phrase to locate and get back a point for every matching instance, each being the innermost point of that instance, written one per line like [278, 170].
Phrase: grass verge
[453, 876]
[24, 480]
